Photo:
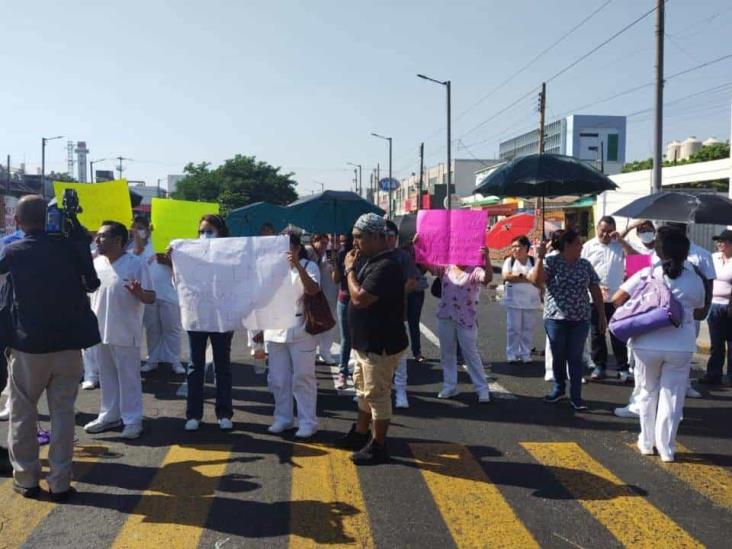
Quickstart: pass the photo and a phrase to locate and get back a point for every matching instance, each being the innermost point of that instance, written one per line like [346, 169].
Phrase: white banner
[226, 283]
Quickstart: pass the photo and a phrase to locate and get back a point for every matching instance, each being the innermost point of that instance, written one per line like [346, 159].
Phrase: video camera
[63, 222]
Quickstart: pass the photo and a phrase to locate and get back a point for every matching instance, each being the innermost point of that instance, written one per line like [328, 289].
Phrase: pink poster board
[634, 263]
[450, 237]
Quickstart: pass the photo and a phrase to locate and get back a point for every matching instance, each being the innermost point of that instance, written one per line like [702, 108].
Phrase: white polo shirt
[297, 332]
[119, 313]
[162, 276]
[608, 260]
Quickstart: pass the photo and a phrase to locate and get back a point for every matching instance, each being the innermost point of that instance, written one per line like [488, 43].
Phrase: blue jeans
[221, 346]
[415, 301]
[720, 335]
[345, 330]
[567, 341]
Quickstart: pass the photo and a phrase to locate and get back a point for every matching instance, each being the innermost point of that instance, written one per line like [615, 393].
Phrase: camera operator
[46, 321]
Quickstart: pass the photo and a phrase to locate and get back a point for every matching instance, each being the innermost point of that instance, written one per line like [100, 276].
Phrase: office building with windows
[597, 139]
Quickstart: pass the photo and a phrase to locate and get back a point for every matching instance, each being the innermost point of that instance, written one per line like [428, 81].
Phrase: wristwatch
[348, 271]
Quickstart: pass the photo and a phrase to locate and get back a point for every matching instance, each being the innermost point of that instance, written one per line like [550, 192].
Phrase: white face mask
[647, 238]
[207, 235]
[142, 233]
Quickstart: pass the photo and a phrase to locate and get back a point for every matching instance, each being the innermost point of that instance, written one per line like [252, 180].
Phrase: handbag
[318, 318]
[651, 307]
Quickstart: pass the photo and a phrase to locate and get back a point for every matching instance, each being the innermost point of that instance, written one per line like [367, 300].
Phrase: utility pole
[449, 151]
[119, 166]
[391, 190]
[7, 176]
[542, 111]
[421, 176]
[658, 130]
[378, 183]
[44, 140]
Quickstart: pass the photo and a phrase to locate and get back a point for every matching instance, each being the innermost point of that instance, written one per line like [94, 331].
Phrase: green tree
[717, 151]
[53, 176]
[239, 181]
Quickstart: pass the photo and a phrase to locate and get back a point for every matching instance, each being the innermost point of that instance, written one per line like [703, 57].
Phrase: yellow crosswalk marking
[710, 480]
[173, 511]
[631, 518]
[472, 507]
[327, 506]
[20, 516]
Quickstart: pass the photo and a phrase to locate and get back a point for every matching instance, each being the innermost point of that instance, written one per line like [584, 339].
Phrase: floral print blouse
[460, 293]
[567, 288]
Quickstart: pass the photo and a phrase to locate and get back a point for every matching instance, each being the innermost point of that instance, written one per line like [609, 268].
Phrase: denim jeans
[720, 335]
[567, 341]
[415, 301]
[221, 346]
[345, 330]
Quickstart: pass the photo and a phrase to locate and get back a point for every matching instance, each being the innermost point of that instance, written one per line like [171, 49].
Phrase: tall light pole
[322, 185]
[446, 83]
[44, 140]
[91, 167]
[360, 184]
[658, 106]
[389, 209]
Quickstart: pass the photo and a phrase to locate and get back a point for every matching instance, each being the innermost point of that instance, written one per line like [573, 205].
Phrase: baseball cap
[725, 235]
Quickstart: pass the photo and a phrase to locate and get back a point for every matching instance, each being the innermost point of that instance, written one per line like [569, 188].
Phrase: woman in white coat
[663, 356]
[292, 355]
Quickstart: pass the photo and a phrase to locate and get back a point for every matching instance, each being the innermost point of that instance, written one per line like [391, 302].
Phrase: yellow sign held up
[173, 219]
[108, 201]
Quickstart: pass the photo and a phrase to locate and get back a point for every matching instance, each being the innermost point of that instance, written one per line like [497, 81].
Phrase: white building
[593, 138]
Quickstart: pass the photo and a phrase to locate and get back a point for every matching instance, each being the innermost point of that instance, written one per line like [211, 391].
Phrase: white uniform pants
[662, 378]
[519, 332]
[90, 358]
[450, 333]
[548, 357]
[400, 375]
[326, 339]
[163, 331]
[119, 379]
[292, 374]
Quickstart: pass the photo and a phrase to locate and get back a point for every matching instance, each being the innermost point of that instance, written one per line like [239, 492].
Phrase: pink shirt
[460, 293]
[723, 280]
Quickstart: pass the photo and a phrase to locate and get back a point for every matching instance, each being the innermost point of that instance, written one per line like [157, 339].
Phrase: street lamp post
[360, 184]
[44, 140]
[446, 83]
[322, 185]
[389, 209]
[91, 167]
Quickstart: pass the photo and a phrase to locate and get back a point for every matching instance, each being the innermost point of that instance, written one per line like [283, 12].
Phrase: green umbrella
[247, 221]
[329, 212]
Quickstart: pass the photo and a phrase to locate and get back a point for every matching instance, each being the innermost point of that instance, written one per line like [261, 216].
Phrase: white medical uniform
[521, 301]
[663, 361]
[119, 314]
[292, 363]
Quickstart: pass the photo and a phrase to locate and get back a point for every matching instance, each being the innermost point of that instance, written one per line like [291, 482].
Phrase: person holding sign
[522, 299]
[162, 318]
[292, 354]
[210, 226]
[457, 318]
[119, 307]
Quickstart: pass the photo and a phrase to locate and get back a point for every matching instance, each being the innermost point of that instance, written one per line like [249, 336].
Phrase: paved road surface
[514, 473]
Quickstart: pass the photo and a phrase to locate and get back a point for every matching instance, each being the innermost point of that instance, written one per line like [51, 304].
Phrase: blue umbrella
[329, 212]
[247, 221]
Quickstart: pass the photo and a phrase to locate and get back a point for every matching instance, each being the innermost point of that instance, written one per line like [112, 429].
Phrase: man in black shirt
[46, 321]
[378, 336]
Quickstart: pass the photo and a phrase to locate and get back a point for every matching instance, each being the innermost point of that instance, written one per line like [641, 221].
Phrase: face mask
[206, 235]
[21, 233]
[647, 238]
[142, 233]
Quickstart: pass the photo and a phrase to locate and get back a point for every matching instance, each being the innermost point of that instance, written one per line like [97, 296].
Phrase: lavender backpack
[652, 306]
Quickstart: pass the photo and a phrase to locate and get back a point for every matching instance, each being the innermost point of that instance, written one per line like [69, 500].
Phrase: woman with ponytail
[663, 356]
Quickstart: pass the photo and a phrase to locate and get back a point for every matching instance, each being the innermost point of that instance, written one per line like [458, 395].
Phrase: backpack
[650, 307]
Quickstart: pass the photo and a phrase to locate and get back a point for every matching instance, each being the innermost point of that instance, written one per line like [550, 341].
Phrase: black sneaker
[707, 380]
[554, 396]
[371, 454]
[579, 406]
[31, 493]
[354, 440]
[63, 497]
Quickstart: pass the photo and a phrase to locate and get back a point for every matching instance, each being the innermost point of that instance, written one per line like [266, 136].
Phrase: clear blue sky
[302, 84]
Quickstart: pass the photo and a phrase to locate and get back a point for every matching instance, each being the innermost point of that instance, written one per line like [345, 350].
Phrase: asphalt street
[515, 472]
